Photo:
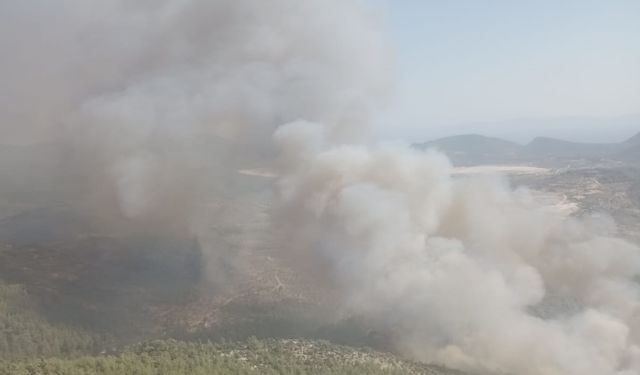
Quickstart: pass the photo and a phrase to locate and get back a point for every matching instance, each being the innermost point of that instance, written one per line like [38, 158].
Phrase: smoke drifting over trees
[455, 271]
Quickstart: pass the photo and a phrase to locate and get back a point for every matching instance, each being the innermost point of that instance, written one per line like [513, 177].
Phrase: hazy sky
[461, 61]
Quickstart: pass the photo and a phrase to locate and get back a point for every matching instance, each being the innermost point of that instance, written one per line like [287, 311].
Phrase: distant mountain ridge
[635, 140]
[474, 149]
[544, 146]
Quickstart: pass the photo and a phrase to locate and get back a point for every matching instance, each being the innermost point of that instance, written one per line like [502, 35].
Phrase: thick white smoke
[144, 95]
[462, 272]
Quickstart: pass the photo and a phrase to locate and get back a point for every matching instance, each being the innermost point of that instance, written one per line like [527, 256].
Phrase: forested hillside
[25, 333]
[282, 357]
[30, 344]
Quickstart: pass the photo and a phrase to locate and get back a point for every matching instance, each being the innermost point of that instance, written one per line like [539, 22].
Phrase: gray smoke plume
[132, 86]
[454, 270]
[154, 104]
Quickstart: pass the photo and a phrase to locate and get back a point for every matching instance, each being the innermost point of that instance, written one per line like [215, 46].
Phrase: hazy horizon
[524, 130]
[461, 65]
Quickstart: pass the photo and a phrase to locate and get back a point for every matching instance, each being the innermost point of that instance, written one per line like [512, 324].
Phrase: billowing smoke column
[461, 272]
